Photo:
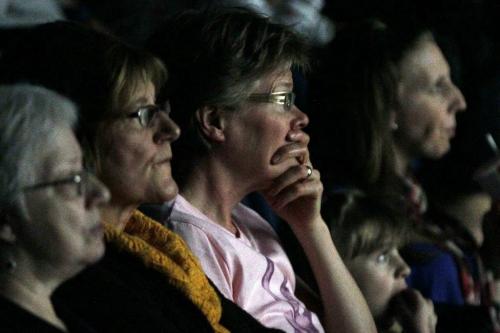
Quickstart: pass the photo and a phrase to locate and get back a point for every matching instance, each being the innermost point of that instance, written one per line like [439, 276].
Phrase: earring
[394, 126]
[10, 265]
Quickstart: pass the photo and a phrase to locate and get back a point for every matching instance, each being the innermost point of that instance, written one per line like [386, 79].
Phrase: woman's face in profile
[427, 103]
[62, 228]
[134, 158]
[256, 132]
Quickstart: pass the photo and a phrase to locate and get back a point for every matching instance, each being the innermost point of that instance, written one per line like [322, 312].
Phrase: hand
[295, 195]
[414, 312]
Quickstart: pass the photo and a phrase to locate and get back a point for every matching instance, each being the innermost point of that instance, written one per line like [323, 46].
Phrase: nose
[402, 268]
[96, 193]
[167, 129]
[300, 120]
[458, 103]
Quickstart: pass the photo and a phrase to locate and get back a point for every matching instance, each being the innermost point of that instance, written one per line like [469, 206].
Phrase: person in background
[303, 16]
[231, 91]
[406, 110]
[446, 263]
[390, 93]
[50, 227]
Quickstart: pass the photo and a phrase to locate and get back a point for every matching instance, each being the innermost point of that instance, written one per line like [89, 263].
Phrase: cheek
[126, 156]
[64, 234]
[274, 133]
[377, 288]
[423, 114]
[267, 134]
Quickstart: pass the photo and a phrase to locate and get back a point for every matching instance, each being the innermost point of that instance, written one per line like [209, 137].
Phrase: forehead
[278, 80]
[424, 62]
[142, 94]
[62, 153]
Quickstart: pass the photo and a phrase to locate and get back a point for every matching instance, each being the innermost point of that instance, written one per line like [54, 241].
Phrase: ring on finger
[309, 171]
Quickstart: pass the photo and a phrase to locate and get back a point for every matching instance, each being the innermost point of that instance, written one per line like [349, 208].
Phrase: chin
[437, 151]
[95, 251]
[91, 254]
[171, 192]
[167, 192]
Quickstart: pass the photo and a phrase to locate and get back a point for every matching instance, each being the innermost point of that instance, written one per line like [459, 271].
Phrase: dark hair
[95, 70]
[214, 58]
[351, 99]
[364, 224]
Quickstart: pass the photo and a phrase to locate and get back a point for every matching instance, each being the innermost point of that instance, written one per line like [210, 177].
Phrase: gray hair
[28, 115]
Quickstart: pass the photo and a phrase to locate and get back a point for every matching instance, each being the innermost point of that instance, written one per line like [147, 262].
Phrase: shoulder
[16, 319]
[121, 286]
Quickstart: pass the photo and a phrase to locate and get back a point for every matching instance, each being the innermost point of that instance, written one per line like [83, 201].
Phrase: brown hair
[366, 224]
[214, 58]
[352, 97]
[95, 70]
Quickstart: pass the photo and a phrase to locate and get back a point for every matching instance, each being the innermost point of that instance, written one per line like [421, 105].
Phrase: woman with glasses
[50, 227]
[148, 280]
[232, 94]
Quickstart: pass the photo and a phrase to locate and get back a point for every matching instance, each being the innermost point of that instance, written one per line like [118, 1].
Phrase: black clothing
[119, 294]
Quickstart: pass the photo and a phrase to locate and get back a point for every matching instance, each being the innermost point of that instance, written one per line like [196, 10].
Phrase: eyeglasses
[287, 99]
[147, 113]
[74, 186]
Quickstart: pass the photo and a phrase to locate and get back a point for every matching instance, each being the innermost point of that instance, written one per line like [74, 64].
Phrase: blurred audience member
[303, 16]
[50, 227]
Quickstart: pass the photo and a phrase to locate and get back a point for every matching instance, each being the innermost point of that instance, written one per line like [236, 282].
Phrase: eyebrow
[141, 100]
[284, 84]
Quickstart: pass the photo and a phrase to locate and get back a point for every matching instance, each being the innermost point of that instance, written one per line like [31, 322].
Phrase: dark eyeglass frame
[287, 99]
[81, 179]
[147, 113]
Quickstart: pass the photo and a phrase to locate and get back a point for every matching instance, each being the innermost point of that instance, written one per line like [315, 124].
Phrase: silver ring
[309, 171]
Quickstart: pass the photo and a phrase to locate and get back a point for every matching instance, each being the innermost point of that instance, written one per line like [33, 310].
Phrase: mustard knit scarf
[165, 251]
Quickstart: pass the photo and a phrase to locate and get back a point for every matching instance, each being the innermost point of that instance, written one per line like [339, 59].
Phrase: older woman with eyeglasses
[232, 94]
[49, 226]
[148, 280]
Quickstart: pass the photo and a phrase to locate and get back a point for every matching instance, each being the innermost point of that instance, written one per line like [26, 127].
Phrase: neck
[117, 214]
[401, 161]
[212, 190]
[31, 293]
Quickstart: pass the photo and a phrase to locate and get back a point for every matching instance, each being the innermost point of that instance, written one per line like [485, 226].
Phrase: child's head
[367, 234]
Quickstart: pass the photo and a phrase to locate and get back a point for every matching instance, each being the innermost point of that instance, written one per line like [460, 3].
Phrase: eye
[441, 86]
[382, 258]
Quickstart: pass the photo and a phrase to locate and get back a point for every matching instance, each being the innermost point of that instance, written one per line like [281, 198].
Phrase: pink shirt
[252, 270]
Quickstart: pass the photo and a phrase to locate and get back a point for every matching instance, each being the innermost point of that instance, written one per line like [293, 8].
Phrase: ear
[393, 123]
[211, 122]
